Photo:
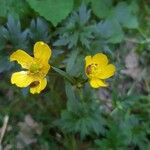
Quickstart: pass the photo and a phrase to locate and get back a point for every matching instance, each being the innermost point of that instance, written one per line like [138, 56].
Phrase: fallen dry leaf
[132, 60]
[132, 66]
[8, 147]
[32, 124]
[105, 98]
[28, 129]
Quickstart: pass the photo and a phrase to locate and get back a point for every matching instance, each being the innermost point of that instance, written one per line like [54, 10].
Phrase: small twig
[137, 41]
[3, 129]
[142, 33]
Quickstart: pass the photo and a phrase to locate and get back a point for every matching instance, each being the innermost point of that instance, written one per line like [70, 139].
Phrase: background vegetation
[73, 116]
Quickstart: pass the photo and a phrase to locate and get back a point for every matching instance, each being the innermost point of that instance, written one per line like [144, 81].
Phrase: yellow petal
[22, 58]
[42, 52]
[88, 60]
[45, 69]
[100, 59]
[107, 71]
[39, 87]
[96, 83]
[21, 79]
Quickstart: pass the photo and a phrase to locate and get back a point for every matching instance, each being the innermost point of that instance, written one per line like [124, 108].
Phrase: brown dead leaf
[28, 129]
[8, 147]
[104, 95]
[132, 60]
[32, 124]
[132, 64]
[105, 98]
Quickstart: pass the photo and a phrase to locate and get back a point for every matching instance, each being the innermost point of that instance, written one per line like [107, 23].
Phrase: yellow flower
[36, 67]
[97, 70]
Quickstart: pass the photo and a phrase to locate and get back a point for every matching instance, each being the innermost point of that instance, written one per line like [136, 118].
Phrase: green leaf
[39, 30]
[77, 3]
[110, 30]
[78, 67]
[124, 14]
[101, 8]
[72, 100]
[14, 7]
[3, 8]
[12, 33]
[64, 74]
[76, 30]
[5, 64]
[69, 91]
[52, 10]
[2, 40]
[71, 61]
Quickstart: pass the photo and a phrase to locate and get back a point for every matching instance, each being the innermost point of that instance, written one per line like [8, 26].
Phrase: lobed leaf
[52, 10]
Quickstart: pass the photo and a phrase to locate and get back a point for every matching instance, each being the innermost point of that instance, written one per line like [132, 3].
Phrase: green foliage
[4, 64]
[75, 65]
[12, 33]
[12, 37]
[122, 12]
[125, 135]
[73, 115]
[127, 129]
[109, 30]
[64, 74]
[101, 8]
[113, 140]
[39, 30]
[80, 31]
[77, 30]
[71, 61]
[52, 10]
[14, 7]
[125, 16]
[83, 115]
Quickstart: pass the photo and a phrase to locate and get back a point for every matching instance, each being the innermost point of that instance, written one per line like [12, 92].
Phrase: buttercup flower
[36, 68]
[97, 70]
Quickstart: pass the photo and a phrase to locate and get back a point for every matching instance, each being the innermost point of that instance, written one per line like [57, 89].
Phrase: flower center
[92, 69]
[34, 84]
[34, 68]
